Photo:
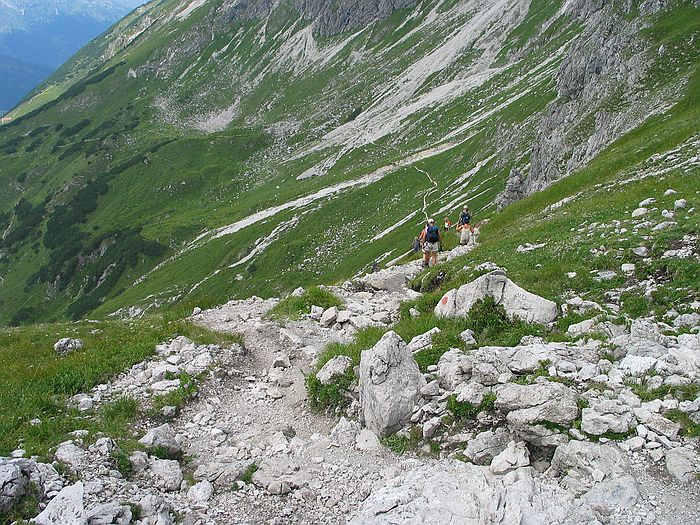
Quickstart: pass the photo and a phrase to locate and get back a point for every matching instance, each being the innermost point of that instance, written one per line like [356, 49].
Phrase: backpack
[464, 218]
[432, 234]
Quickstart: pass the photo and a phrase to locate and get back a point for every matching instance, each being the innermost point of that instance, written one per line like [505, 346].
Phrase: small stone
[281, 361]
[680, 204]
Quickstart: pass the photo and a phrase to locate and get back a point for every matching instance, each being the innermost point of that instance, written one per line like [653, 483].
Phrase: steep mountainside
[37, 36]
[204, 149]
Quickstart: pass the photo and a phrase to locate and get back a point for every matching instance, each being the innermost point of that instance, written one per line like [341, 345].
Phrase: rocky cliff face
[602, 93]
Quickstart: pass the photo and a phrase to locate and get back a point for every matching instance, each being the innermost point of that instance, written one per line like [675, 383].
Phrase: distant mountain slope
[37, 36]
[17, 79]
[204, 149]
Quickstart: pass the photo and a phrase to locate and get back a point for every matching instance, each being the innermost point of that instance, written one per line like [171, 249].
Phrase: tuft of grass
[398, 444]
[294, 307]
[247, 475]
[465, 411]
[123, 463]
[689, 427]
[682, 393]
[181, 395]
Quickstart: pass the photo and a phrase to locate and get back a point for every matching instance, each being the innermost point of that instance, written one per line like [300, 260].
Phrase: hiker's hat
[431, 221]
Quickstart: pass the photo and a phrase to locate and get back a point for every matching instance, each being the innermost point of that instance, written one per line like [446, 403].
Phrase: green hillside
[194, 154]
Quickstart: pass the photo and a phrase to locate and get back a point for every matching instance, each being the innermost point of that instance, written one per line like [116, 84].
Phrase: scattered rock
[167, 474]
[422, 341]
[110, 514]
[335, 367]
[67, 345]
[200, 493]
[679, 463]
[607, 416]
[329, 316]
[513, 457]
[454, 367]
[162, 437]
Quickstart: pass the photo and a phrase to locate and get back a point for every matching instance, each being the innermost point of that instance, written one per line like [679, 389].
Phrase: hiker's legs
[435, 254]
[426, 259]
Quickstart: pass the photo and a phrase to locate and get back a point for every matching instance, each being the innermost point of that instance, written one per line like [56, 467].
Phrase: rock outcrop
[390, 384]
[517, 302]
[455, 492]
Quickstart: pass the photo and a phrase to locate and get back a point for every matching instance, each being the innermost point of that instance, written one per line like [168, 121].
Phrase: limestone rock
[513, 457]
[110, 514]
[529, 404]
[71, 455]
[67, 345]
[663, 426]
[200, 493]
[279, 476]
[162, 437]
[13, 486]
[345, 432]
[390, 384]
[488, 366]
[167, 474]
[487, 445]
[580, 461]
[66, 508]
[607, 416]
[636, 365]
[422, 341]
[453, 368]
[335, 367]
[329, 316]
[617, 494]
[367, 440]
[679, 463]
[451, 492]
[516, 301]
[468, 338]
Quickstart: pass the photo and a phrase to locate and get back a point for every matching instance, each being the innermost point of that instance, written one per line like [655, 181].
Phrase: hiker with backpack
[430, 239]
[464, 226]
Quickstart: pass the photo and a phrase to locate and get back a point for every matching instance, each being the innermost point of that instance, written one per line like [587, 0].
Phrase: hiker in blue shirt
[430, 238]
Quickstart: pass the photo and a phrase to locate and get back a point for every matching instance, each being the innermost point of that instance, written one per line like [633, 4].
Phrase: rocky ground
[555, 434]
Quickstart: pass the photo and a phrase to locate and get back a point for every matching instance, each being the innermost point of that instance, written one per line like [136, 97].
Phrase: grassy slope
[196, 182]
[37, 382]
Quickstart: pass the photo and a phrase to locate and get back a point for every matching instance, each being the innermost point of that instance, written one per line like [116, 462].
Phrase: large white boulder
[516, 301]
[390, 384]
